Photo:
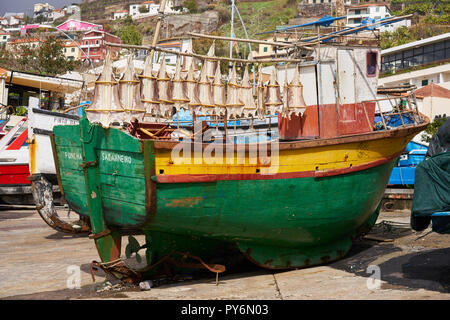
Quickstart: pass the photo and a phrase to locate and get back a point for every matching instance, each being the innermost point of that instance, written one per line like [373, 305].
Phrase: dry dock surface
[36, 264]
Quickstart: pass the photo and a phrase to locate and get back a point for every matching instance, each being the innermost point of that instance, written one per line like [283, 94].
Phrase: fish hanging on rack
[235, 106]
[129, 94]
[179, 96]
[246, 94]
[105, 108]
[210, 65]
[219, 99]
[188, 60]
[260, 96]
[295, 102]
[273, 100]
[149, 92]
[164, 91]
[192, 89]
[206, 105]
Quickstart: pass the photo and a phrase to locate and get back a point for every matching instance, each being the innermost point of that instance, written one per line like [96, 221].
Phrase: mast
[230, 65]
[340, 11]
[161, 10]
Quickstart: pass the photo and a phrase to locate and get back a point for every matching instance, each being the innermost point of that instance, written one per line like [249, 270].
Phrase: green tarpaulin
[432, 193]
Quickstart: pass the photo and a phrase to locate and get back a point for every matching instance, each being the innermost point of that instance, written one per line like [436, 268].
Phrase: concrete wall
[435, 106]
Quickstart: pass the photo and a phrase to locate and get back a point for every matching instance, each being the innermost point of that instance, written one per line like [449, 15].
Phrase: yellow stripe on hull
[322, 158]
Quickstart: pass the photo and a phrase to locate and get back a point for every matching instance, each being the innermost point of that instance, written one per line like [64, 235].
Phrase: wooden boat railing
[401, 108]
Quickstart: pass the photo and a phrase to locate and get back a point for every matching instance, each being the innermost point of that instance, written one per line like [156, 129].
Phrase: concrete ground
[36, 264]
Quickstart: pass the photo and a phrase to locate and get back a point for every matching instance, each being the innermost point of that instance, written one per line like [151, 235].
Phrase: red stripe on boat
[19, 141]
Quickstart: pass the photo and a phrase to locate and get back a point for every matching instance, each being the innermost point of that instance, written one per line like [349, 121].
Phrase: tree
[130, 35]
[143, 9]
[47, 59]
[432, 128]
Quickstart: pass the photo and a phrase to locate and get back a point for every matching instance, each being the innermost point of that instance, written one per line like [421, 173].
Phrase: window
[73, 50]
[424, 82]
[371, 64]
[357, 11]
[65, 50]
[377, 9]
[265, 49]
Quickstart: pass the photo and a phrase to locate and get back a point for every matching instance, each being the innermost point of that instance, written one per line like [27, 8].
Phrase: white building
[174, 44]
[57, 13]
[39, 6]
[420, 62]
[346, 2]
[4, 37]
[120, 14]
[356, 14]
[150, 6]
[151, 9]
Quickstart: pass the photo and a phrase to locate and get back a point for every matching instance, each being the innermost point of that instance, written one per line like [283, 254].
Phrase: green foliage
[130, 35]
[143, 9]
[47, 59]
[224, 14]
[405, 35]
[21, 111]
[191, 5]
[432, 128]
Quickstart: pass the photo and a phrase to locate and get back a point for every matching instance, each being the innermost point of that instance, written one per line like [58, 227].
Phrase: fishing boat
[14, 186]
[295, 199]
[41, 167]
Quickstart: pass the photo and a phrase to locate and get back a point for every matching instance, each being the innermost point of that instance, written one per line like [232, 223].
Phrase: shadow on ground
[425, 269]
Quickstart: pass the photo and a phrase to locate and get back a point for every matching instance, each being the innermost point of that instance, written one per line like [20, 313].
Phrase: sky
[27, 6]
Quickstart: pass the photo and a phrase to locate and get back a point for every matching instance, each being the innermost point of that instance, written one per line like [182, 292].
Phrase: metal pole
[231, 36]
[249, 45]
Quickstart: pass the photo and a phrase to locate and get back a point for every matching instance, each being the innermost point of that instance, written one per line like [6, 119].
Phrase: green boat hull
[276, 223]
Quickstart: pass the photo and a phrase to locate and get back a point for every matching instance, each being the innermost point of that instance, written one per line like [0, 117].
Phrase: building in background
[419, 63]
[178, 44]
[357, 14]
[93, 44]
[433, 101]
[16, 44]
[71, 51]
[40, 6]
[4, 37]
[73, 25]
[120, 14]
[152, 8]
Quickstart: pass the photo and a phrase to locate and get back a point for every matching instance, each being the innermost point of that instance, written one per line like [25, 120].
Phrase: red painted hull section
[14, 174]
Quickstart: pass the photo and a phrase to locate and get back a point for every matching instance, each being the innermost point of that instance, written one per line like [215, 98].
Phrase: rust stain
[184, 202]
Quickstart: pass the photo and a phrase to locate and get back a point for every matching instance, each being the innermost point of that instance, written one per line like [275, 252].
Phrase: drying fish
[129, 93]
[260, 96]
[247, 96]
[273, 100]
[106, 108]
[295, 102]
[164, 91]
[210, 65]
[149, 92]
[179, 97]
[206, 105]
[219, 99]
[192, 89]
[234, 104]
